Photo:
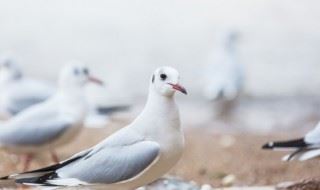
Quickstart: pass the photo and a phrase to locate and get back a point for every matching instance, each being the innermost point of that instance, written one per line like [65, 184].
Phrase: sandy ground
[208, 158]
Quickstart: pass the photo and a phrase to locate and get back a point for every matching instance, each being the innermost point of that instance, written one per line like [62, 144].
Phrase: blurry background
[124, 41]
[279, 43]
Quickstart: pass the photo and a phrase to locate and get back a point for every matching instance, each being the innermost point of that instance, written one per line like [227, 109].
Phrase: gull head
[76, 75]
[165, 81]
[9, 70]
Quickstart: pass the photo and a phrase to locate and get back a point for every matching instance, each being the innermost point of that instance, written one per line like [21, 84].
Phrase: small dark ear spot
[152, 79]
[86, 71]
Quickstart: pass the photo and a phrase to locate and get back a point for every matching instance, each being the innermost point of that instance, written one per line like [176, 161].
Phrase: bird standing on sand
[52, 123]
[136, 155]
[18, 92]
[305, 148]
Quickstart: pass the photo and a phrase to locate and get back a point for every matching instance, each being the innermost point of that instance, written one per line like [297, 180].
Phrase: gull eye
[86, 71]
[163, 76]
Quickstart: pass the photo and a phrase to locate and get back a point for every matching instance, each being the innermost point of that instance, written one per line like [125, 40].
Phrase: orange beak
[178, 87]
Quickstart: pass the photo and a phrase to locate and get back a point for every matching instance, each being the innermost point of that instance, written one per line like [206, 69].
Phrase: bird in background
[224, 75]
[134, 156]
[52, 123]
[305, 148]
[18, 92]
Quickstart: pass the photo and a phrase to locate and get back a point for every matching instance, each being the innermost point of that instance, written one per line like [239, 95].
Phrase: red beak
[95, 80]
[179, 88]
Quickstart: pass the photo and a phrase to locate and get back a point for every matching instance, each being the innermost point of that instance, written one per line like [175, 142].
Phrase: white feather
[309, 155]
[67, 182]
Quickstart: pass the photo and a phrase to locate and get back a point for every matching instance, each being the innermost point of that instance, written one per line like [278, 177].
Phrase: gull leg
[26, 162]
[54, 157]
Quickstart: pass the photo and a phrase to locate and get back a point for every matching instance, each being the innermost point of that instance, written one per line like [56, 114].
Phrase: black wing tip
[42, 180]
[269, 145]
[5, 178]
[296, 143]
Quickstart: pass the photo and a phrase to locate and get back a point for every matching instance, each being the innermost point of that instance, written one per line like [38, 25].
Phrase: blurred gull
[305, 148]
[136, 155]
[224, 73]
[18, 92]
[99, 116]
[52, 123]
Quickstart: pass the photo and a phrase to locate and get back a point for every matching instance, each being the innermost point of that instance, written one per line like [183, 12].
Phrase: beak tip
[96, 81]
[184, 91]
[179, 88]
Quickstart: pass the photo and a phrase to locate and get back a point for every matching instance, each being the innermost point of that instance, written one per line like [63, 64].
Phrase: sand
[209, 157]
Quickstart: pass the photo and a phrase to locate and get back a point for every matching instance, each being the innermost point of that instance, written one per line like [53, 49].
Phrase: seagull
[18, 92]
[52, 123]
[224, 75]
[136, 155]
[305, 148]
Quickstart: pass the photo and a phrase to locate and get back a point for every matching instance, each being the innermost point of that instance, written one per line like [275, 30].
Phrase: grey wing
[34, 130]
[21, 104]
[112, 164]
[27, 93]
[112, 109]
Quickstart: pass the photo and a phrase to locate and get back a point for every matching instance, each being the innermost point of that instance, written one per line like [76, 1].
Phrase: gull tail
[302, 155]
[286, 145]
[112, 109]
[40, 177]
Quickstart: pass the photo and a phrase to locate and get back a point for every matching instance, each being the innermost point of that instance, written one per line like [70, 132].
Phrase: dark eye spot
[86, 71]
[76, 71]
[152, 79]
[163, 76]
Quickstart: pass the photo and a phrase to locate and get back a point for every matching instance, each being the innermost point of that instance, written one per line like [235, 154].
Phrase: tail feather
[293, 155]
[41, 176]
[112, 109]
[311, 154]
[302, 155]
[38, 180]
[297, 143]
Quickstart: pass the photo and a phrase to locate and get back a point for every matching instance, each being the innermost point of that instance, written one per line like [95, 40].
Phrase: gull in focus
[52, 123]
[136, 155]
[305, 148]
[18, 92]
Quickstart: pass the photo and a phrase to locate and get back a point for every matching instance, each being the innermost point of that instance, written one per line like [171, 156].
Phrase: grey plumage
[128, 162]
[26, 129]
[111, 109]
[119, 161]
[24, 102]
